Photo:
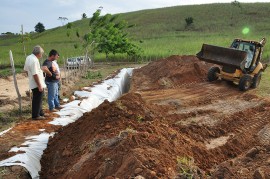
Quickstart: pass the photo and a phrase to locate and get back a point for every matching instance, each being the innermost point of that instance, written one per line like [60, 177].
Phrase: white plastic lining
[110, 90]
[30, 159]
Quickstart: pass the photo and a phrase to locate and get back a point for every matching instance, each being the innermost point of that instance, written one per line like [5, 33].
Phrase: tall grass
[160, 32]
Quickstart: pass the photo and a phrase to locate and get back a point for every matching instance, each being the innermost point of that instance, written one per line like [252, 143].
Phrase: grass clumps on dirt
[140, 118]
[93, 75]
[14, 116]
[120, 105]
[186, 166]
[3, 171]
[128, 130]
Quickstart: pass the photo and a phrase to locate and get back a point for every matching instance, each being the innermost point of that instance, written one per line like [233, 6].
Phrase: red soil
[172, 124]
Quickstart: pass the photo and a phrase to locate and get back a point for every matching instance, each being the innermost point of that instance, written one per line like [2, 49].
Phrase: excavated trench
[32, 137]
[171, 124]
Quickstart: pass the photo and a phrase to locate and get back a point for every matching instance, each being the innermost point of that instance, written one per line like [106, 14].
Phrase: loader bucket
[221, 55]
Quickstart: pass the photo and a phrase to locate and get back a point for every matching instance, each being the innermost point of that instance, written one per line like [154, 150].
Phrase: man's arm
[25, 68]
[49, 73]
[38, 82]
[46, 70]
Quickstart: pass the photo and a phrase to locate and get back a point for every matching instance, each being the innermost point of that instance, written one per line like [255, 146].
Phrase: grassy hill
[162, 32]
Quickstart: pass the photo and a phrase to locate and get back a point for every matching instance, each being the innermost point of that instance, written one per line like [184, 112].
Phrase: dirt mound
[170, 72]
[128, 138]
[252, 164]
[122, 139]
[188, 129]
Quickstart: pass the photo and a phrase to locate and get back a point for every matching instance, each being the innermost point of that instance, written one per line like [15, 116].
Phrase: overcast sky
[14, 13]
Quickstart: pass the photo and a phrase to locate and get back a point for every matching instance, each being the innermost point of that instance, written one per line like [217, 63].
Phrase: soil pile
[170, 72]
[254, 163]
[197, 130]
[121, 139]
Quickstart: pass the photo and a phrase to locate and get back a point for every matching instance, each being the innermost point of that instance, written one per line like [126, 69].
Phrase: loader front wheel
[256, 80]
[212, 73]
[245, 82]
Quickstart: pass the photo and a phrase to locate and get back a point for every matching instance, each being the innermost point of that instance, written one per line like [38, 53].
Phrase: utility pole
[62, 19]
[23, 41]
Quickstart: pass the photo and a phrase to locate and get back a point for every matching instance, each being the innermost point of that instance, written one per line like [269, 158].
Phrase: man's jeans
[53, 100]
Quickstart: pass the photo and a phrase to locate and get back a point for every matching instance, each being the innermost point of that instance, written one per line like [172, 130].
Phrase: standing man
[58, 73]
[52, 80]
[36, 81]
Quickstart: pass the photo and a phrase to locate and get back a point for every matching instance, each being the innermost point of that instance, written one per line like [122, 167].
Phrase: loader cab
[252, 53]
[233, 62]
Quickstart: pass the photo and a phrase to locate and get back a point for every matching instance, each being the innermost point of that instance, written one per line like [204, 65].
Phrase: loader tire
[245, 82]
[256, 80]
[212, 73]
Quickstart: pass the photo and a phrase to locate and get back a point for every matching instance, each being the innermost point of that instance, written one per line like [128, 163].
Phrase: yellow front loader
[240, 64]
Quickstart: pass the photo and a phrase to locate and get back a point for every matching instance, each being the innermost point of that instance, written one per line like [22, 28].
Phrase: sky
[14, 13]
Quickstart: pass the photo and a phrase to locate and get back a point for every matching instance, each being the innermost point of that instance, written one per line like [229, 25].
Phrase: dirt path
[7, 88]
[8, 94]
[226, 122]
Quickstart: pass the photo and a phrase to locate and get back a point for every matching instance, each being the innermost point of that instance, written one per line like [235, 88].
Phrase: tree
[39, 27]
[189, 21]
[24, 38]
[8, 33]
[108, 35]
[236, 4]
[84, 16]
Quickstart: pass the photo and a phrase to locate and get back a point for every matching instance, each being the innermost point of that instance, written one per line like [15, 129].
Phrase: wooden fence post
[15, 81]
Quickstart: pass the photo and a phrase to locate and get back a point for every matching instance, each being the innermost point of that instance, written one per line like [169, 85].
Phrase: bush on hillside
[39, 27]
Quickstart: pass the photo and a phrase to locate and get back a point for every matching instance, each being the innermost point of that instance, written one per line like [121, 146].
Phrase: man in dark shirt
[52, 80]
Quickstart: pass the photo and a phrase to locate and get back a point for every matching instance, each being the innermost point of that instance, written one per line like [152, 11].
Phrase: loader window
[246, 47]
[250, 49]
[235, 45]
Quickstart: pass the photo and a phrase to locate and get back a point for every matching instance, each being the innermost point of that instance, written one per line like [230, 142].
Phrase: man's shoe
[54, 110]
[59, 107]
[39, 118]
[45, 115]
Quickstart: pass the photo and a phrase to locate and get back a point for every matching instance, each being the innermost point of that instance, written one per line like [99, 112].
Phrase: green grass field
[160, 32]
[264, 87]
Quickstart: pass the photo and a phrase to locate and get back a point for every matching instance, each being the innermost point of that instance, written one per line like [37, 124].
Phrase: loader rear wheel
[245, 82]
[212, 73]
[256, 80]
